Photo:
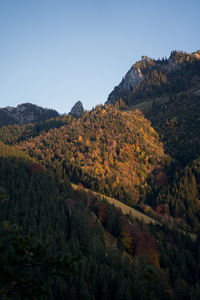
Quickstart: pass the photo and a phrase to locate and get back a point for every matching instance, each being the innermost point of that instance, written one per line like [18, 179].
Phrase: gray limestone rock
[77, 109]
[132, 78]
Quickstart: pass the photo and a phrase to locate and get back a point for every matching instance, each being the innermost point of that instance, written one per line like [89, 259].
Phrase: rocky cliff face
[25, 113]
[77, 109]
[132, 78]
[147, 76]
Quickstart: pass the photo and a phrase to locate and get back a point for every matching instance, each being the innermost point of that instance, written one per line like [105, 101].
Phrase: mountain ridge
[25, 113]
[149, 77]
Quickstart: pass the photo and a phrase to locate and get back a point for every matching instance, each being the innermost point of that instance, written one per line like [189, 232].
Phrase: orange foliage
[104, 144]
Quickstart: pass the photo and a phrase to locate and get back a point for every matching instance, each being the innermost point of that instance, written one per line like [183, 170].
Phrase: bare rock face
[132, 78]
[77, 109]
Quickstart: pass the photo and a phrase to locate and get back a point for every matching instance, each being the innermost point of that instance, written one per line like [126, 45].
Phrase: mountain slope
[106, 149]
[13, 134]
[25, 113]
[84, 251]
[175, 114]
[176, 118]
[150, 77]
[168, 93]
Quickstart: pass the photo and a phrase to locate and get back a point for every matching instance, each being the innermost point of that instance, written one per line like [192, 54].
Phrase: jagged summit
[150, 76]
[25, 113]
[77, 109]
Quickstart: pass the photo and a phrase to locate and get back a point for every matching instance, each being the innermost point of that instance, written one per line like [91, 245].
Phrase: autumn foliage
[106, 150]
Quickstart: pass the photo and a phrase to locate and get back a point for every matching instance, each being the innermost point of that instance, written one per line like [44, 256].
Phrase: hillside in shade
[57, 243]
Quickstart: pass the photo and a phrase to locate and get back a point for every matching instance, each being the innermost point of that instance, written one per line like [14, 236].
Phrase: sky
[56, 52]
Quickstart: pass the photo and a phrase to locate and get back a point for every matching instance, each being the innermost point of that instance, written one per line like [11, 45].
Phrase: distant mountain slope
[106, 149]
[13, 134]
[25, 113]
[150, 77]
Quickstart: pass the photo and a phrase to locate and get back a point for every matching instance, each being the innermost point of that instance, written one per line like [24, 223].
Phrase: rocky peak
[77, 109]
[179, 58]
[140, 73]
[25, 113]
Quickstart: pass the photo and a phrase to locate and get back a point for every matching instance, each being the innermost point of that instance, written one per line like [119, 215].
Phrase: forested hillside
[70, 244]
[177, 120]
[171, 101]
[110, 151]
[13, 134]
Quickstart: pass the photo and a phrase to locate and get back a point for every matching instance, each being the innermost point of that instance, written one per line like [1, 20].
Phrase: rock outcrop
[77, 109]
[132, 78]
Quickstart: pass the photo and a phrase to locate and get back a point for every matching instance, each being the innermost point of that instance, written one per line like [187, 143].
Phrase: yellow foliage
[80, 138]
[138, 149]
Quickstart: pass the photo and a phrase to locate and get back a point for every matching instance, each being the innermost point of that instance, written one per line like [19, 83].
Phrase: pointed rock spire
[77, 109]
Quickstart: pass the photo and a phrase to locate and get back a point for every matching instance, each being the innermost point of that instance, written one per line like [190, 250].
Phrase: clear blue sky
[56, 52]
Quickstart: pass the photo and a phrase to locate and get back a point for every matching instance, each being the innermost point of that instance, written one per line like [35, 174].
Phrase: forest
[57, 242]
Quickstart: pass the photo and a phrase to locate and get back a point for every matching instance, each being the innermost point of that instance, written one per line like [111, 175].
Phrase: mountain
[59, 242]
[167, 92]
[150, 77]
[25, 113]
